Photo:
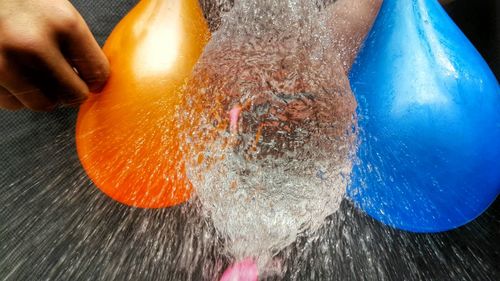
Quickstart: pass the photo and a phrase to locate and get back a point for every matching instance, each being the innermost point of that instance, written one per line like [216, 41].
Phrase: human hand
[48, 56]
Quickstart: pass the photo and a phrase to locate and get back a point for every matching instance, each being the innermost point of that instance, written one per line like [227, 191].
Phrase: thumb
[83, 53]
[350, 21]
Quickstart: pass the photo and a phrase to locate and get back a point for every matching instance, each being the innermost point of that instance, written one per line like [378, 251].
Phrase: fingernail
[96, 87]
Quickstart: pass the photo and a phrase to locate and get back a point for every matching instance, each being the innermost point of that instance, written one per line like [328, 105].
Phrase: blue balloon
[429, 121]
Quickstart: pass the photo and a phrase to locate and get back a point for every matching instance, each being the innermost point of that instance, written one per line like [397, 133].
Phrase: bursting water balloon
[429, 118]
[127, 136]
[271, 150]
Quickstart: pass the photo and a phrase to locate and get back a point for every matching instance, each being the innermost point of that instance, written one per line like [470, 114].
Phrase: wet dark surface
[54, 225]
[479, 20]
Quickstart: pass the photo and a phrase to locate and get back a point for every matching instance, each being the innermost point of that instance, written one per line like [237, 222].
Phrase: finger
[27, 94]
[63, 81]
[8, 101]
[15, 69]
[350, 22]
[82, 51]
[45, 73]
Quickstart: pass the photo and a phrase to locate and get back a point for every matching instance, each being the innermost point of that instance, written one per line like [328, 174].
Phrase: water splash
[273, 127]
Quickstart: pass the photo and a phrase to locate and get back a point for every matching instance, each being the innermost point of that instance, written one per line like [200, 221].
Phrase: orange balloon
[127, 137]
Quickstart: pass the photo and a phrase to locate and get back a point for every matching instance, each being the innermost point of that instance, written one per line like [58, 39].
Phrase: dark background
[479, 20]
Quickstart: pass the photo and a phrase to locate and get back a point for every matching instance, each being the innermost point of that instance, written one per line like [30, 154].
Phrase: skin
[48, 56]
[351, 21]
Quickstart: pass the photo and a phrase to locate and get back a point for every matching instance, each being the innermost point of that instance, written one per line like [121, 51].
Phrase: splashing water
[274, 140]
